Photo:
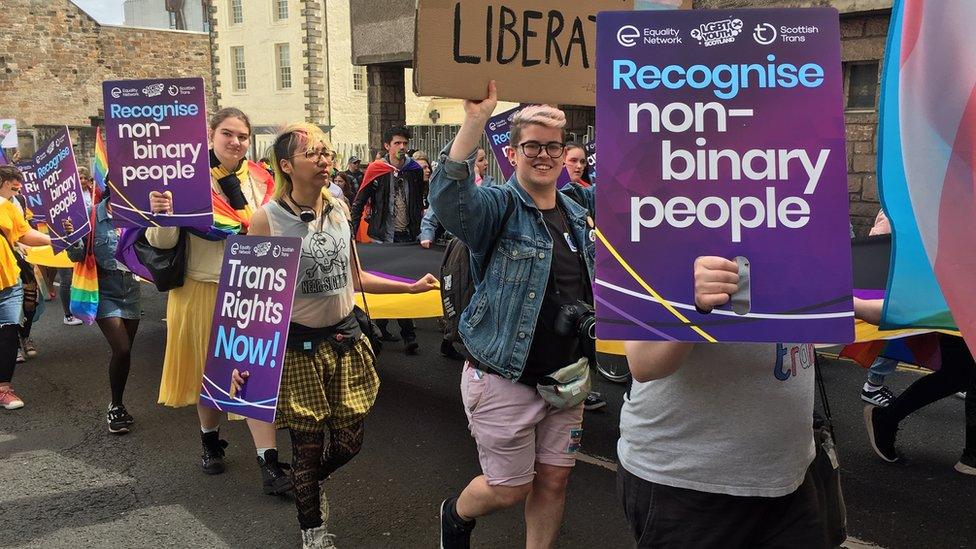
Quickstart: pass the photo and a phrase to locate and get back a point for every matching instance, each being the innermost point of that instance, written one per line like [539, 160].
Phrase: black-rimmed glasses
[532, 149]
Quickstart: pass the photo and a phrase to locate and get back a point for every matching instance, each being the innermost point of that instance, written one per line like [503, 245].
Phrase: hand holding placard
[716, 279]
[161, 202]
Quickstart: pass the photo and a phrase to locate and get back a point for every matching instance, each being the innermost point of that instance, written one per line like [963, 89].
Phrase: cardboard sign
[62, 197]
[497, 133]
[250, 327]
[156, 140]
[8, 133]
[722, 134]
[31, 190]
[541, 51]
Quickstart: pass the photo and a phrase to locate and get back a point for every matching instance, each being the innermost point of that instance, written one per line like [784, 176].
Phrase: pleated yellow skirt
[189, 317]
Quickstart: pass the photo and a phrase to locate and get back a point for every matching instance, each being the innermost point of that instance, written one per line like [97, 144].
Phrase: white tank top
[324, 293]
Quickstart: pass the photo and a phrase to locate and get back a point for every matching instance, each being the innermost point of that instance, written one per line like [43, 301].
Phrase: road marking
[607, 464]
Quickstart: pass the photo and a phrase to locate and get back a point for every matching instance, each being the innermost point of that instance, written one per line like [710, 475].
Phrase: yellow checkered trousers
[321, 390]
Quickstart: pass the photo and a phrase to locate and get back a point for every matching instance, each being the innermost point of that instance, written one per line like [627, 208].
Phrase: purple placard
[31, 190]
[156, 140]
[496, 132]
[61, 192]
[590, 149]
[250, 326]
[765, 85]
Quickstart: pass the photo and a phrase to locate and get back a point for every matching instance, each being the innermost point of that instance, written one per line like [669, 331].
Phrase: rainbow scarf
[227, 220]
[83, 302]
[927, 165]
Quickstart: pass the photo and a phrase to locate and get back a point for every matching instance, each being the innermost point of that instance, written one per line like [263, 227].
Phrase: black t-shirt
[568, 283]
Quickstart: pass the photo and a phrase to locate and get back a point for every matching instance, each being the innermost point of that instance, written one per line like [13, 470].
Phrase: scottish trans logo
[764, 34]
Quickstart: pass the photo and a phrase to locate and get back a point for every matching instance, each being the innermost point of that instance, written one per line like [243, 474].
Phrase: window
[281, 9]
[237, 11]
[240, 76]
[283, 61]
[172, 19]
[359, 78]
[861, 81]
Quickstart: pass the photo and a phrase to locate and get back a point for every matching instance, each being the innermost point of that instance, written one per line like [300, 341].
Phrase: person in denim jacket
[542, 260]
[119, 310]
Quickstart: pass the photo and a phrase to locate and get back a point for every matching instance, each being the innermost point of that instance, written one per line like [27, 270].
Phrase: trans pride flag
[927, 165]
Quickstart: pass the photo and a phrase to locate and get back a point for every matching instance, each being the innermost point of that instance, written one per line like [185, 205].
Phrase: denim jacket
[498, 325]
[429, 224]
[106, 240]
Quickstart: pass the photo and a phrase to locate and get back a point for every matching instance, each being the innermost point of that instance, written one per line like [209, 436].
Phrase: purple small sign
[31, 191]
[250, 327]
[156, 141]
[590, 149]
[61, 193]
[722, 134]
[496, 131]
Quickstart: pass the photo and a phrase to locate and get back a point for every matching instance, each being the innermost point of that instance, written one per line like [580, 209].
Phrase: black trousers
[667, 517]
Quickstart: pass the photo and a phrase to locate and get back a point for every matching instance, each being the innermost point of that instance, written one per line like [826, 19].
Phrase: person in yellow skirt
[328, 379]
[244, 186]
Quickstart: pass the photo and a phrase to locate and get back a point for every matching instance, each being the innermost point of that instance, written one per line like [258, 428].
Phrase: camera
[576, 320]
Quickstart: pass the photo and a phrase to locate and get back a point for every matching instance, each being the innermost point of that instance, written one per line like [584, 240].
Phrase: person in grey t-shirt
[716, 439]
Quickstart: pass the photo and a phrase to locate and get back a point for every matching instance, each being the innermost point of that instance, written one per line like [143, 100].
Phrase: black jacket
[378, 193]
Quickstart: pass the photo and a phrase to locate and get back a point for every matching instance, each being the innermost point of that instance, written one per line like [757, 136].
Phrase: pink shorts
[515, 428]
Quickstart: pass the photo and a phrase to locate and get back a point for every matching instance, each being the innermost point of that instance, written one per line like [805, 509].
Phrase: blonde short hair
[540, 115]
[296, 139]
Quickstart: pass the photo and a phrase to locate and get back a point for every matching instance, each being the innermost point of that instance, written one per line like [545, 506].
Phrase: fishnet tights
[312, 462]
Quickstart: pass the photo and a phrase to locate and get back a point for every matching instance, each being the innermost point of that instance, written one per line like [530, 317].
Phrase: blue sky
[104, 11]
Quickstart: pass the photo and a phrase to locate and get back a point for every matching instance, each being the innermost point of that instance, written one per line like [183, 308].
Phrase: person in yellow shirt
[13, 229]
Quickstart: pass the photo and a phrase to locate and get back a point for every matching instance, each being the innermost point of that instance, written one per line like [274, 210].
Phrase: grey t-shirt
[735, 419]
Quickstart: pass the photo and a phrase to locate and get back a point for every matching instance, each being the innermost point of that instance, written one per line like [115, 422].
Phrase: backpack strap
[509, 210]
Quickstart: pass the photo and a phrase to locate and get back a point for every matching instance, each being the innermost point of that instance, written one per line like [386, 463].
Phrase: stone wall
[54, 57]
[386, 102]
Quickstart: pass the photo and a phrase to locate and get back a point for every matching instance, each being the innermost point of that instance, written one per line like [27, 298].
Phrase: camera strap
[567, 234]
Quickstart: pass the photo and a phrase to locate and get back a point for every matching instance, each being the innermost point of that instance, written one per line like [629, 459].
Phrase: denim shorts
[11, 304]
[118, 295]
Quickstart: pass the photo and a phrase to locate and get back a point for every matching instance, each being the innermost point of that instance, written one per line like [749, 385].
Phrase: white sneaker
[318, 538]
[961, 394]
[20, 356]
[70, 320]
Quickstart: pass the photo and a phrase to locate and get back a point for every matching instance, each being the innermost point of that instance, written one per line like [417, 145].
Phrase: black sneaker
[876, 395]
[967, 463]
[275, 475]
[881, 433]
[213, 453]
[453, 534]
[412, 348]
[119, 420]
[449, 352]
[594, 401]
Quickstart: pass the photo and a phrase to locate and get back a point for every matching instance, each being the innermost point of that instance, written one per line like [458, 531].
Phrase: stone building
[284, 61]
[54, 57]
[864, 28]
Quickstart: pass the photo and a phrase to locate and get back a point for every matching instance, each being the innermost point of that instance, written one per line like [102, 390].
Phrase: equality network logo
[717, 33]
[627, 36]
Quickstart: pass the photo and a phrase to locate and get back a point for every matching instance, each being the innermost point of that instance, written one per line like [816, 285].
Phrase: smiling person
[328, 379]
[528, 278]
[238, 188]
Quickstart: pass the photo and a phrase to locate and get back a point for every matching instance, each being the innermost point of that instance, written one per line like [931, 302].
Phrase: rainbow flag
[83, 302]
[927, 165]
[100, 163]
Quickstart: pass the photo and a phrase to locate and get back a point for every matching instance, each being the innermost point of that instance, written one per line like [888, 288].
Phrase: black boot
[448, 351]
[213, 453]
[275, 475]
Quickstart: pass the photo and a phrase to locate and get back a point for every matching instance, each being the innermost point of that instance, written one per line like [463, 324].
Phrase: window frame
[279, 67]
[239, 66]
[236, 7]
[849, 67]
[276, 7]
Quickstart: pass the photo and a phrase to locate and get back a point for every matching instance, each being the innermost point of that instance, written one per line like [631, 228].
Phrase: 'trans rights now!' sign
[156, 141]
[725, 139]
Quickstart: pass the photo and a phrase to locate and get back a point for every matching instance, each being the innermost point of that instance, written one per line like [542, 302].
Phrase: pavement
[69, 483]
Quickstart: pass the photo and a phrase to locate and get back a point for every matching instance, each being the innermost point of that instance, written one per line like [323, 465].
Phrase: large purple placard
[722, 133]
[61, 192]
[250, 327]
[156, 141]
